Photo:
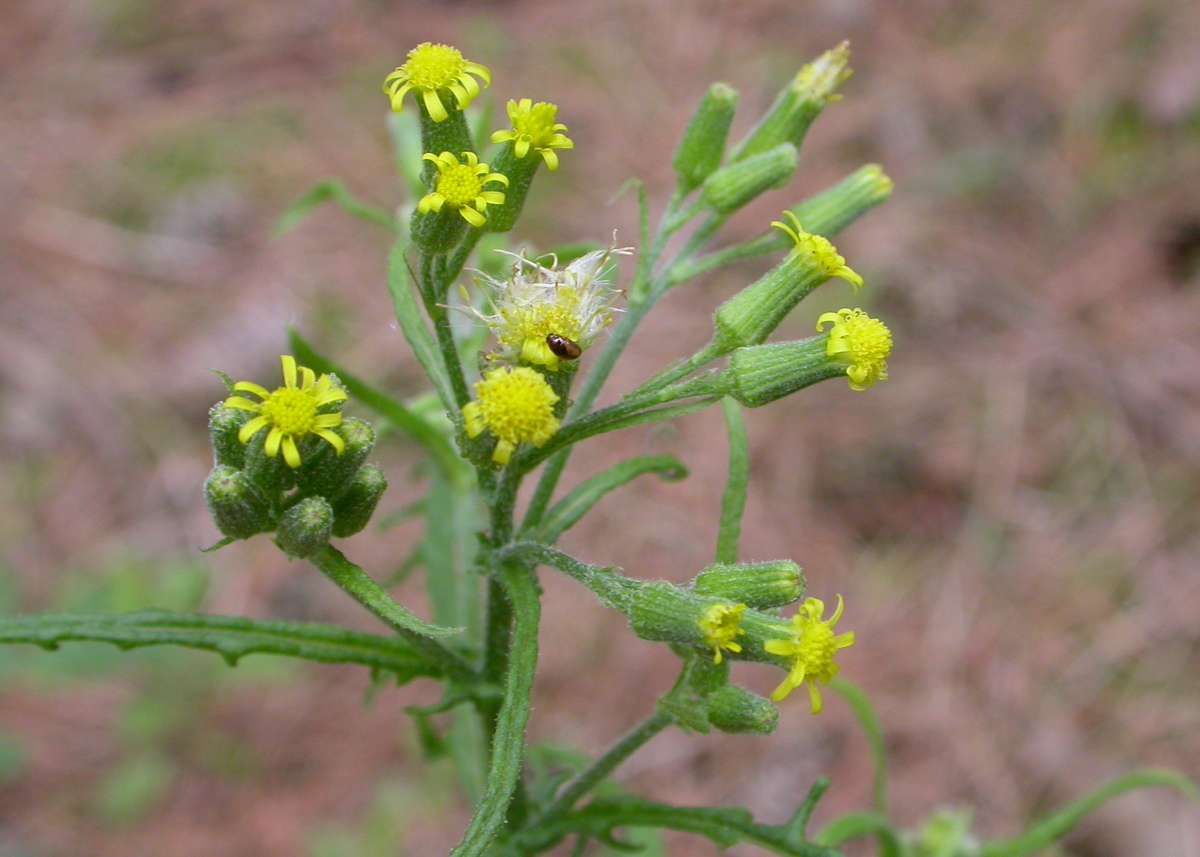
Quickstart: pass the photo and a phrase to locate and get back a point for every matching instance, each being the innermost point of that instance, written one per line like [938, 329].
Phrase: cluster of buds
[729, 611]
[289, 463]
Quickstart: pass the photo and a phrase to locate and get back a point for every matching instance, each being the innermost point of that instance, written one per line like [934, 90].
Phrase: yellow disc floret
[811, 646]
[862, 342]
[461, 186]
[292, 411]
[720, 625]
[516, 406]
[821, 250]
[431, 69]
[534, 130]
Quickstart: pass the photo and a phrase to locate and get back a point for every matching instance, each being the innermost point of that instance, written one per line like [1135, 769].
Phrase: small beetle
[563, 348]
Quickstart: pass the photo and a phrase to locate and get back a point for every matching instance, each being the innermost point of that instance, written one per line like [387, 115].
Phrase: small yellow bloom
[720, 626]
[430, 69]
[534, 129]
[822, 251]
[292, 411]
[516, 406]
[812, 647]
[574, 302]
[861, 341]
[461, 186]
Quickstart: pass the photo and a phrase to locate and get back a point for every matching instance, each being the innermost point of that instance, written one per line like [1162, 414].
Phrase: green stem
[508, 742]
[588, 779]
[733, 501]
[358, 585]
[611, 588]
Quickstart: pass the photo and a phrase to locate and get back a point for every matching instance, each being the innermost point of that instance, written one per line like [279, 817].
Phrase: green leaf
[567, 511]
[412, 325]
[232, 637]
[861, 705]
[332, 190]
[1043, 833]
[405, 419]
[733, 501]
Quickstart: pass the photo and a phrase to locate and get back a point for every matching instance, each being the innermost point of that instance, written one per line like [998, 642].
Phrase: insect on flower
[563, 348]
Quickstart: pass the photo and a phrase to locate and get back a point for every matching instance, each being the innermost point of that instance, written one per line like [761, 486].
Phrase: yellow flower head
[292, 411]
[574, 302]
[430, 69]
[514, 404]
[811, 646]
[720, 626]
[461, 186]
[534, 129]
[821, 250]
[863, 342]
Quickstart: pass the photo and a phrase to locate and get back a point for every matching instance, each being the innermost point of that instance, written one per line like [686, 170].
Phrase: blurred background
[1011, 518]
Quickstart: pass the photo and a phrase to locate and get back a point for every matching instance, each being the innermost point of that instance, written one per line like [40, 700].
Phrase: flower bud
[703, 143]
[731, 187]
[353, 509]
[734, 709]
[238, 510]
[798, 104]
[305, 528]
[760, 374]
[324, 472]
[224, 423]
[751, 315]
[271, 475]
[761, 585]
[665, 613]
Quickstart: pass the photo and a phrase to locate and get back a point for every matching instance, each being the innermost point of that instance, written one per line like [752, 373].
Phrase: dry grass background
[1012, 518]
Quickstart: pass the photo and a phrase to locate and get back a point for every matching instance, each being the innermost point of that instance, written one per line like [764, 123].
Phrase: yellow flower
[461, 186]
[574, 302]
[812, 647]
[720, 626]
[821, 250]
[516, 406]
[292, 411]
[534, 128]
[430, 69]
[862, 342]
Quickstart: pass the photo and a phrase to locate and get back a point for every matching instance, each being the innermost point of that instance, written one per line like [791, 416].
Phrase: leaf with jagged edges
[232, 637]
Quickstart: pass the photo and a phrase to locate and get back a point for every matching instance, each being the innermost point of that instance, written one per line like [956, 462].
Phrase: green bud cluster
[328, 495]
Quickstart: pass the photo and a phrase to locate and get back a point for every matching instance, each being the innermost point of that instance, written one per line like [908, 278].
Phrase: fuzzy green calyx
[738, 711]
[329, 476]
[703, 143]
[761, 585]
[237, 508]
[731, 187]
[305, 528]
[798, 104]
[760, 374]
[751, 315]
[353, 510]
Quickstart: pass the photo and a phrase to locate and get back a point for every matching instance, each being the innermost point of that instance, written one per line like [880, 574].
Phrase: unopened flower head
[292, 411]
[460, 185]
[574, 302]
[431, 69]
[516, 405]
[720, 625]
[811, 646]
[862, 342]
[822, 251]
[534, 130]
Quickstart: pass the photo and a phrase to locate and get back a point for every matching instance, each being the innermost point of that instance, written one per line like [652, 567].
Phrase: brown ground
[1011, 517]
